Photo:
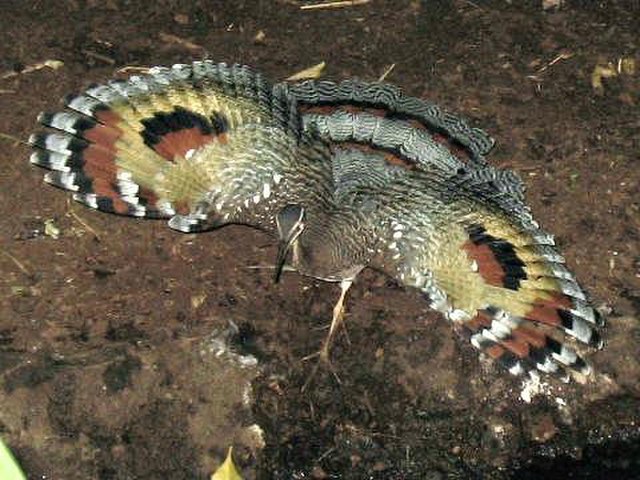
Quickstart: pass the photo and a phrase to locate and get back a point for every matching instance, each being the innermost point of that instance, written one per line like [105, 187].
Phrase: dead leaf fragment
[52, 64]
[131, 69]
[627, 66]
[227, 471]
[260, 37]
[181, 19]
[600, 72]
[197, 300]
[307, 73]
[624, 66]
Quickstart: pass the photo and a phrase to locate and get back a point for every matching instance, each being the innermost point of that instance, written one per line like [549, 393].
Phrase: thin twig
[99, 56]
[6, 136]
[339, 4]
[473, 4]
[82, 222]
[386, 73]
[17, 262]
[286, 268]
[325, 454]
[561, 56]
[169, 38]
[133, 69]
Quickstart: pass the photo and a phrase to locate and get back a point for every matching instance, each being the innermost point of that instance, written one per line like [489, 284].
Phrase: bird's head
[322, 244]
[290, 221]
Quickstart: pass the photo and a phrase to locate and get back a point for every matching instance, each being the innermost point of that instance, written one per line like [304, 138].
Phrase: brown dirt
[111, 350]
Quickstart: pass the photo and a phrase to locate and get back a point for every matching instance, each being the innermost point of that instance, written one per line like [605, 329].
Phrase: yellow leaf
[9, 469]
[600, 72]
[227, 471]
[627, 65]
[311, 72]
[50, 229]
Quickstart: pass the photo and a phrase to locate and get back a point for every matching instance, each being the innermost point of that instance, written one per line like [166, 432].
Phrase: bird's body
[349, 176]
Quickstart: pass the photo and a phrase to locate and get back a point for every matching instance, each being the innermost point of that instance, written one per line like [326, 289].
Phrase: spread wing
[485, 263]
[135, 147]
[452, 225]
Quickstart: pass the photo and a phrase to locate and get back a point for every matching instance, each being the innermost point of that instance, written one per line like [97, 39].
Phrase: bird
[439, 220]
[346, 176]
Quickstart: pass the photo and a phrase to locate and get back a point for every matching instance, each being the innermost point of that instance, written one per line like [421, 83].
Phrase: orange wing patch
[530, 336]
[181, 131]
[455, 148]
[498, 263]
[481, 320]
[107, 117]
[390, 157]
[489, 267]
[329, 108]
[547, 311]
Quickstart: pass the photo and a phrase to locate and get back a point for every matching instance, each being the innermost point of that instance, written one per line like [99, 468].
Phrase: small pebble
[318, 473]
[544, 429]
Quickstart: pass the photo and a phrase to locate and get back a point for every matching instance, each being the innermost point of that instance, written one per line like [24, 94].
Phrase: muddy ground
[119, 358]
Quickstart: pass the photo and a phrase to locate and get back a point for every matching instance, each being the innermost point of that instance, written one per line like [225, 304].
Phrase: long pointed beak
[283, 249]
